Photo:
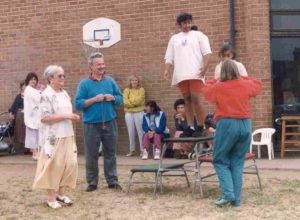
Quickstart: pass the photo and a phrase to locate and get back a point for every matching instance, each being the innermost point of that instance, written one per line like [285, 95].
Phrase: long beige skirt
[59, 171]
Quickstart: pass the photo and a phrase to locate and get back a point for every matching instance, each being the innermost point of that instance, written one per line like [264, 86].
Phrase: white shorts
[31, 138]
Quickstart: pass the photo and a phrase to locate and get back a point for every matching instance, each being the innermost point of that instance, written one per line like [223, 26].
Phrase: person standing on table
[189, 52]
[57, 166]
[97, 95]
[32, 98]
[231, 95]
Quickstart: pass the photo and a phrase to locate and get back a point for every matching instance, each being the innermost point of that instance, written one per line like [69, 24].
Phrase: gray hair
[229, 71]
[51, 70]
[94, 55]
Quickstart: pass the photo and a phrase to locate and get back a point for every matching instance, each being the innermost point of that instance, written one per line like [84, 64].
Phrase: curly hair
[178, 102]
[31, 76]
[184, 17]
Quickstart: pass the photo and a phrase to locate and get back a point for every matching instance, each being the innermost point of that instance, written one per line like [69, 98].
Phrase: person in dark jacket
[16, 114]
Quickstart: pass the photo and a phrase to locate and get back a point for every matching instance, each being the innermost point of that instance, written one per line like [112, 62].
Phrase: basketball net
[90, 46]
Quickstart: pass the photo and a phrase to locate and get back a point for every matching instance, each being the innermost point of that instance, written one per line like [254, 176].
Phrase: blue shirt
[100, 111]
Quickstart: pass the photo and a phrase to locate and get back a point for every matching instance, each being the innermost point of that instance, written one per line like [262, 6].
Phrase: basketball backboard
[101, 33]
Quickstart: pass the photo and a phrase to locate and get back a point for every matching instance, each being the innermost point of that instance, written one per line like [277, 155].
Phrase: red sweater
[232, 97]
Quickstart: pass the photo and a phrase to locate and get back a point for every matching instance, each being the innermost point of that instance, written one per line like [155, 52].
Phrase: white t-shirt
[186, 51]
[240, 66]
[32, 99]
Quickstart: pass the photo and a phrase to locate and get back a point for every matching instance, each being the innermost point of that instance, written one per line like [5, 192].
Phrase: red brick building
[34, 34]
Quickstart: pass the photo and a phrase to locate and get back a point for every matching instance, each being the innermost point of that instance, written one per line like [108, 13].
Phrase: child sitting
[154, 126]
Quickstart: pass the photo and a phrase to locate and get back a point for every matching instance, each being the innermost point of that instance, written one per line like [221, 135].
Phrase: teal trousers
[231, 143]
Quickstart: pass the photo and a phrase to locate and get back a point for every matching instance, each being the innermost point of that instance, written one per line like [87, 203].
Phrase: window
[285, 50]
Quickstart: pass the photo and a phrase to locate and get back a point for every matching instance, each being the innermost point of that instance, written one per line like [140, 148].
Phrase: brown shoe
[130, 154]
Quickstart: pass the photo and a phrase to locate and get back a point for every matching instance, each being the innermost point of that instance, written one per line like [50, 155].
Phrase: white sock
[192, 127]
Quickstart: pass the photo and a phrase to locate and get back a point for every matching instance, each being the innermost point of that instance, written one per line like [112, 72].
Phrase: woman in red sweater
[231, 94]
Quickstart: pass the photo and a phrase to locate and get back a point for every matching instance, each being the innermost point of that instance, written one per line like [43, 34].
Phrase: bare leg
[189, 108]
[61, 191]
[51, 195]
[198, 107]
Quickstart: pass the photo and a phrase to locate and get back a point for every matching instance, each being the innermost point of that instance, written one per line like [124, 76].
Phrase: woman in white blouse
[57, 165]
[32, 98]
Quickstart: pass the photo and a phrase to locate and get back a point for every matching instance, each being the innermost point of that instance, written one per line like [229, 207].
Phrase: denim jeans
[107, 133]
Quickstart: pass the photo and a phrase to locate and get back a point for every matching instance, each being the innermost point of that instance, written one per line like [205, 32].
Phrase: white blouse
[57, 103]
[240, 66]
[32, 99]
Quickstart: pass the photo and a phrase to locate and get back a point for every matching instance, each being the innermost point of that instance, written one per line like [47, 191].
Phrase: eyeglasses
[61, 76]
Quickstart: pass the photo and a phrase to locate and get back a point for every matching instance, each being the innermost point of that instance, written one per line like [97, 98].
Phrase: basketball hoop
[91, 46]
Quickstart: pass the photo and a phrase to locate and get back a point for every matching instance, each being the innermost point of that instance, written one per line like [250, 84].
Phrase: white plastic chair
[265, 140]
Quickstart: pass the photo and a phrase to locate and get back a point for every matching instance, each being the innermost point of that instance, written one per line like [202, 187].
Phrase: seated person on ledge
[155, 129]
[210, 130]
[181, 150]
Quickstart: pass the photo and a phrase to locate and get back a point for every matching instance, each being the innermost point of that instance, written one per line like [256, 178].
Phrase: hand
[11, 116]
[202, 72]
[150, 134]
[99, 98]
[179, 116]
[109, 97]
[74, 117]
[166, 75]
[211, 130]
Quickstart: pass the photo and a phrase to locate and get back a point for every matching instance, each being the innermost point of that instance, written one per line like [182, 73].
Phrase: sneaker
[64, 199]
[187, 133]
[145, 155]
[54, 204]
[130, 154]
[198, 132]
[157, 154]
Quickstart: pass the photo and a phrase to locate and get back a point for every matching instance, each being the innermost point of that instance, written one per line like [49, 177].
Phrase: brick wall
[37, 33]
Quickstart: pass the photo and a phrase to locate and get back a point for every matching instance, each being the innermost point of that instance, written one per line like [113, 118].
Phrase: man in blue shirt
[96, 96]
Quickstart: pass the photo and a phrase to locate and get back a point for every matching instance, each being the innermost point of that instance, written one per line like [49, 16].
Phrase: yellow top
[134, 100]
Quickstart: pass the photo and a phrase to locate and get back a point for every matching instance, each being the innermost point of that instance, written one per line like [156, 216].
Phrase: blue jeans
[231, 143]
[107, 133]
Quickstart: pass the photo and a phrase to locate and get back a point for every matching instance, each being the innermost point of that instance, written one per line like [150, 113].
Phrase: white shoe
[157, 154]
[64, 199]
[54, 204]
[145, 155]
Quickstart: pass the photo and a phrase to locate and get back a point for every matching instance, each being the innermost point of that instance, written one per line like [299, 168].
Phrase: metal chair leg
[155, 185]
[186, 177]
[257, 173]
[160, 182]
[200, 185]
[130, 182]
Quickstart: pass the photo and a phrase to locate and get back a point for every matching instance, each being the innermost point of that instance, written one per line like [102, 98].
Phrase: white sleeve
[242, 70]
[218, 71]
[169, 57]
[204, 44]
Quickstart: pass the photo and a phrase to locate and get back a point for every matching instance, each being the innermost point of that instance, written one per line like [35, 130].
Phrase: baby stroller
[5, 135]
